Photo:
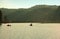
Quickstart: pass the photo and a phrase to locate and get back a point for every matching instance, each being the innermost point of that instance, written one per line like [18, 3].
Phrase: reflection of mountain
[38, 13]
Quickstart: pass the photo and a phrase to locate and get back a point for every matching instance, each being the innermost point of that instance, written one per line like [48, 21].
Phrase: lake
[24, 31]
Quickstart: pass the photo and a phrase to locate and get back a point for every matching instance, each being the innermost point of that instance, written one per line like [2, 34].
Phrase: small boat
[31, 24]
[8, 25]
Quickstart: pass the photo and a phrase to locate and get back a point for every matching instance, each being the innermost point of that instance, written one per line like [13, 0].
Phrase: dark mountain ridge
[38, 13]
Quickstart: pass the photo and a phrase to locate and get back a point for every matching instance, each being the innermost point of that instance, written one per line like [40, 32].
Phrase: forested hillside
[38, 13]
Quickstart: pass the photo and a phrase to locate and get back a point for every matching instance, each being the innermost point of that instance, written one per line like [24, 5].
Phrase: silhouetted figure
[31, 24]
[0, 17]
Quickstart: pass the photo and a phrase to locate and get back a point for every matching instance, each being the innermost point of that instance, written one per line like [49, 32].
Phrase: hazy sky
[26, 3]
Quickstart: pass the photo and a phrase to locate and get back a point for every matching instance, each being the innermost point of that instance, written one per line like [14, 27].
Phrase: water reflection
[24, 31]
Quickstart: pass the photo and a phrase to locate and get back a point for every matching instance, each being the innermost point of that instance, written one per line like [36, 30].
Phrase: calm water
[24, 31]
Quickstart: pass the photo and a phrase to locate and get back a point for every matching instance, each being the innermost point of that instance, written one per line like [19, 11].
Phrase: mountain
[56, 15]
[38, 13]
